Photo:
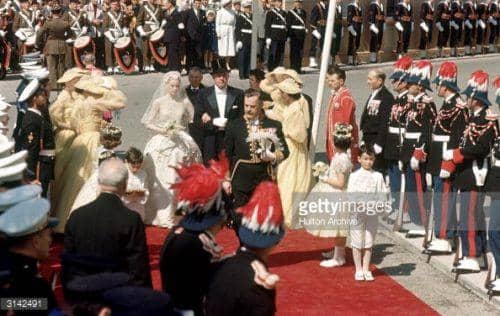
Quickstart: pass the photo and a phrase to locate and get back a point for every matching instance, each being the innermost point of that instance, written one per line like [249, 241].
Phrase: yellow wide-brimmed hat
[289, 86]
[71, 74]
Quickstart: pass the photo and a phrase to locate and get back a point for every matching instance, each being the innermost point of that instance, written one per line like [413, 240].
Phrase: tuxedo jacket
[106, 232]
[374, 124]
[195, 130]
[213, 137]
[194, 24]
[172, 31]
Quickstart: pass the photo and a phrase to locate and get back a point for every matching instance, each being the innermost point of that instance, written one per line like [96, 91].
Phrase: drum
[82, 45]
[158, 48]
[125, 54]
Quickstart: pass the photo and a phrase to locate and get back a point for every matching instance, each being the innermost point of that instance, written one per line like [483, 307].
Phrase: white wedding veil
[161, 92]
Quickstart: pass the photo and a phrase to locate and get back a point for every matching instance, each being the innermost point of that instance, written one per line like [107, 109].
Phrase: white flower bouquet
[266, 139]
[320, 169]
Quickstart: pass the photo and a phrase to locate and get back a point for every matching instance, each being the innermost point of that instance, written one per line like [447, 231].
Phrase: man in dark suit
[194, 27]
[106, 236]
[172, 37]
[195, 77]
[217, 106]
[375, 117]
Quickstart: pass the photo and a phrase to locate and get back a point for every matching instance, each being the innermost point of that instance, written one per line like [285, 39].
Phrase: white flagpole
[325, 56]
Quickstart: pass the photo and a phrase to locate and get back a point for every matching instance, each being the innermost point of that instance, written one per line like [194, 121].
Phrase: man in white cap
[12, 166]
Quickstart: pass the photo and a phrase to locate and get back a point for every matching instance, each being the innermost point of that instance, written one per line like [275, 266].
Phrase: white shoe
[337, 262]
[468, 264]
[152, 68]
[328, 254]
[110, 70]
[116, 70]
[368, 276]
[313, 63]
[406, 218]
[495, 285]
[440, 245]
[359, 276]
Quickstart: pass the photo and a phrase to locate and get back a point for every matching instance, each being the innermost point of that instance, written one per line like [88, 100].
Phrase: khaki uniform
[53, 34]
[149, 17]
[109, 25]
[76, 20]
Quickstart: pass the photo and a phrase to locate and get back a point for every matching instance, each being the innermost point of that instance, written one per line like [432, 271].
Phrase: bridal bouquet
[266, 139]
[172, 127]
[319, 169]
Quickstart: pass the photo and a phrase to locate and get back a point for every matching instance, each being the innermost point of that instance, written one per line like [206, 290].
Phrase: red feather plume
[448, 69]
[404, 63]
[496, 82]
[480, 77]
[264, 211]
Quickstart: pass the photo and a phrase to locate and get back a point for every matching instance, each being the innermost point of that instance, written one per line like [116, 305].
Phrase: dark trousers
[425, 38]
[472, 226]
[354, 41]
[494, 231]
[276, 54]
[376, 40]
[99, 52]
[445, 214]
[404, 38]
[493, 32]
[193, 54]
[418, 201]
[296, 53]
[313, 50]
[443, 36]
[456, 35]
[394, 182]
[469, 34]
[481, 34]
[174, 63]
[244, 56]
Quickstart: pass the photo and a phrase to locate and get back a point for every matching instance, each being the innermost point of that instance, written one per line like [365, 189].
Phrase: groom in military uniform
[251, 164]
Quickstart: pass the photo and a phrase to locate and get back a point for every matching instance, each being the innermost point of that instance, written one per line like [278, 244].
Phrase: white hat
[225, 2]
[13, 159]
[31, 67]
[246, 3]
[17, 195]
[12, 173]
[28, 63]
[5, 148]
[26, 218]
[40, 74]
[30, 89]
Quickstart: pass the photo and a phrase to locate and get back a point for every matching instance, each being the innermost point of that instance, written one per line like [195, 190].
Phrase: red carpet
[305, 287]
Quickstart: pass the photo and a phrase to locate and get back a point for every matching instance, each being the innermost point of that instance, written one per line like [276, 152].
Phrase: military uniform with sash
[23, 20]
[376, 20]
[296, 21]
[317, 21]
[443, 15]
[243, 34]
[470, 24]
[482, 26]
[115, 26]
[355, 21]
[276, 34]
[148, 20]
[494, 23]
[78, 23]
[403, 17]
[95, 16]
[426, 26]
[456, 26]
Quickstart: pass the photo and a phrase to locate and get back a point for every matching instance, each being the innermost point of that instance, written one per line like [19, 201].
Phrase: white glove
[448, 155]
[377, 149]
[220, 122]
[399, 26]
[140, 29]
[400, 165]
[268, 43]
[439, 27]
[84, 31]
[454, 25]
[492, 21]
[109, 36]
[239, 45]
[414, 164]
[444, 174]
[125, 31]
[468, 24]
[424, 27]
[2, 33]
[181, 26]
[352, 31]
[69, 41]
[268, 156]
[374, 28]
[317, 34]
[482, 24]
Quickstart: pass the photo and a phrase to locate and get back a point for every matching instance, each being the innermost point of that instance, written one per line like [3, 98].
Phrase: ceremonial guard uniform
[376, 19]
[494, 23]
[396, 130]
[247, 167]
[470, 20]
[52, 39]
[456, 24]
[190, 248]
[115, 26]
[471, 162]
[319, 13]
[22, 26]
[78, 23]
[426, 26]
[419, 121]
[482, 26]
[447, 133]
[355, 21]
[403, 18]
[443, 15]
[243, 280]
[148, 21]
[244, 41]
[37, 137]
[26, 217]
[95, 16]
[296, 21]
[276, 34]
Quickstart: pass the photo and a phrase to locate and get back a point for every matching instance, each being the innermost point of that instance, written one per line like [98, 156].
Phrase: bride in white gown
[168, 116]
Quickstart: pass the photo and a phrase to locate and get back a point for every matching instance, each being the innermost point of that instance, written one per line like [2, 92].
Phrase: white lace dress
[169, 148]
[137, 182]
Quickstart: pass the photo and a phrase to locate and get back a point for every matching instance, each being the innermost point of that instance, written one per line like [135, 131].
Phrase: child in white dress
[372, 188]
[137, 194]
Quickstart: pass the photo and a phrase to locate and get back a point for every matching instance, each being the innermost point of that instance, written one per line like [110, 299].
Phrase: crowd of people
[152, 35]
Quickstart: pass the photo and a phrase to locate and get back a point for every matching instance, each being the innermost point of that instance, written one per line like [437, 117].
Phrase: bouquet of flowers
[320, 169]
[172, 127]
[266, 139]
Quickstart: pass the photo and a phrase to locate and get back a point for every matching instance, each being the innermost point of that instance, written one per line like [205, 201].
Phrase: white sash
[298, 17]
[115, 21]
[75, 20]
[152, 14]
[245, 17]
[28, 21]
[279, 15]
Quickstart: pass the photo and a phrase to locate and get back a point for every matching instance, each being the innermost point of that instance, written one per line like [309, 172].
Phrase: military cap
[26, 218]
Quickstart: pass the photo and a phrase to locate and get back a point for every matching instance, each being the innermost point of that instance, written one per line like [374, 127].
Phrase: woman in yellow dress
[60, 114]
[294, 173]
[100, 95]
